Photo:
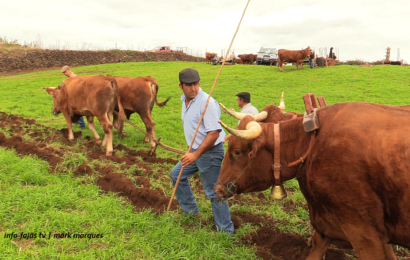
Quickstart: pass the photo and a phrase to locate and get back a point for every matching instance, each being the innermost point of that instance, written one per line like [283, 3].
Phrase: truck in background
[267, 56]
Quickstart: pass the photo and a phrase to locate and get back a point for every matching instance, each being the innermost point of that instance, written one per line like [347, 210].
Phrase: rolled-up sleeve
[211, 117]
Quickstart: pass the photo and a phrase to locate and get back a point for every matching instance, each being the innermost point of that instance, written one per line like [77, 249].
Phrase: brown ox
[209, 57]
[138, 95]
[355, 178]
[89, 96]
[293, 56]
[247, 58]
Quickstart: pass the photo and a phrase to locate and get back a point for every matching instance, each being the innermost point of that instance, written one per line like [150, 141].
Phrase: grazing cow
[293, 56]
[89, 96]
[138, 95]
[248, 58]
[209, 57]
[355, 178]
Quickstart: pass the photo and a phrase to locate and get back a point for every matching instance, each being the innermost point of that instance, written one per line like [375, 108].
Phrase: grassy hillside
[36, 201]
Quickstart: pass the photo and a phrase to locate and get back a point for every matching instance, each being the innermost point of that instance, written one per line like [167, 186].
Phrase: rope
[206, 106]
[233, 183]
[155, 140]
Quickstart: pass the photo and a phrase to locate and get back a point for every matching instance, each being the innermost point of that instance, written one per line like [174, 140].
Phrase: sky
[357, 29]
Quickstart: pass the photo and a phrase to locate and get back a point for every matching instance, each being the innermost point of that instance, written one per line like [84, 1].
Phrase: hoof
[123, 134]
[108, 153]
[99, 142]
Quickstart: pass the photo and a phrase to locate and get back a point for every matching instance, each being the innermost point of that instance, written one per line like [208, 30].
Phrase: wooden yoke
[322, 101]
[308, 103]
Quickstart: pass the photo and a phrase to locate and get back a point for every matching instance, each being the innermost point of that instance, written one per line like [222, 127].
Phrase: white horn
[253, 130]
[232, 112]
[259, 117]
[282, 102]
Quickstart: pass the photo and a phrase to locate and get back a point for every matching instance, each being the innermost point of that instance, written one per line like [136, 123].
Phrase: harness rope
[155, 140]
[233, 183]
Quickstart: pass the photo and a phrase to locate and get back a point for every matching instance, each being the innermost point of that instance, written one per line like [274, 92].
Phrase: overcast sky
[360, 29]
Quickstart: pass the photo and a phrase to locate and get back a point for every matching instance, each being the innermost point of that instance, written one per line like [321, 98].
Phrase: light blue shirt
[191, 115]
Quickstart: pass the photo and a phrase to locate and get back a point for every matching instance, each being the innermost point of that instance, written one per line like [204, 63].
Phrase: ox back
[138, 95]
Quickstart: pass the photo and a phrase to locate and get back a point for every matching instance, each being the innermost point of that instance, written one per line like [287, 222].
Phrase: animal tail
[154, 89]
[121, 113]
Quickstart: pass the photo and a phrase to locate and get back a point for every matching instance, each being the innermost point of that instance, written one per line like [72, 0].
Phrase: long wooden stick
[206, 106]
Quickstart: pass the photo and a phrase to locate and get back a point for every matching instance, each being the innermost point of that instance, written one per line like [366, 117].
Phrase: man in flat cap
[207, 151]
[244, 102]
[66, 71]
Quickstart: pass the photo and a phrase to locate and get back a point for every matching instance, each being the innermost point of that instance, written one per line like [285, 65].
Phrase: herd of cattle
[102, 96]
[354, 175]
[283, 56]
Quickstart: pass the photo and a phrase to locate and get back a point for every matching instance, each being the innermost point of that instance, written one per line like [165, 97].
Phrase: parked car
[162, 49]
[267, 56]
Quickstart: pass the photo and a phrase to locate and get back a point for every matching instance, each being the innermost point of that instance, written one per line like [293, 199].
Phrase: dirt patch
[142, 198]
[36, 60]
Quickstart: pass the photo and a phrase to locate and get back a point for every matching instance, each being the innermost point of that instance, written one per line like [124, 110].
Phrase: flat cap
[245, 96]
[189, 76]
[65, 68]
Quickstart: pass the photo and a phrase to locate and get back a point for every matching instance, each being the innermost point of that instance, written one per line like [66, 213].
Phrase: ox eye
[237, 152]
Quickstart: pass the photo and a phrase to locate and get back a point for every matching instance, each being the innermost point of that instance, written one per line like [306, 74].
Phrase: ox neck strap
[276, 167]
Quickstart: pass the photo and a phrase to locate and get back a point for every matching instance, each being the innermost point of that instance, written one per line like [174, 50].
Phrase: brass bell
[278, 192]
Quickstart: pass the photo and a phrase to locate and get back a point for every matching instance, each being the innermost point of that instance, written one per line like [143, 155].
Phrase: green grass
[33, 200]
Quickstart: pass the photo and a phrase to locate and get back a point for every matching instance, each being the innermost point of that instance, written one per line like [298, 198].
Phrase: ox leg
[388, 248]
[280, 63]
[69, 127]
[91, 126]
[366, 241]
[107, 126]
[320, 246]
[149, 125]
[116, 124]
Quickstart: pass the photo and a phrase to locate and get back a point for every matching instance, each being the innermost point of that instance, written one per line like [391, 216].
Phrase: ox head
[247, 163]
[308, 52]
[55, 92]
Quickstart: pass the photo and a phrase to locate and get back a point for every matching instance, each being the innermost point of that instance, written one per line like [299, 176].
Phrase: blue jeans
[81, 122]
[312, 63]
[209, 166]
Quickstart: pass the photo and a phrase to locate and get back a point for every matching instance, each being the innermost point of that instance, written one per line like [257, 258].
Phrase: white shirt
[249, 109]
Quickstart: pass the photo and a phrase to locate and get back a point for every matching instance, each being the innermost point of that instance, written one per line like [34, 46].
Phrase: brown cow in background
[293, 56]
[89, 96]
[248, 58]
[138, 95]
[209, 57]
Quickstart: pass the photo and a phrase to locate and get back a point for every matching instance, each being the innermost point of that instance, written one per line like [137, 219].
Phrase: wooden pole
[206, 106]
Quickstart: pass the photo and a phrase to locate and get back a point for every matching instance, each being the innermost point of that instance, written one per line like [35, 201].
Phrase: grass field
[33, 200]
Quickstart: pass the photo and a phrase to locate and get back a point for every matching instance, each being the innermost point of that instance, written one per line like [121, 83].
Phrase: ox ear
[51, 90]
[257, 143]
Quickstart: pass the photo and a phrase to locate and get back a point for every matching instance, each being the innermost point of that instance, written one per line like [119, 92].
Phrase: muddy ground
[29, 138]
